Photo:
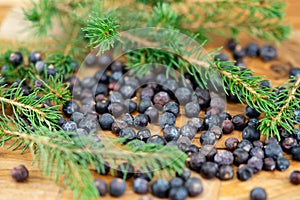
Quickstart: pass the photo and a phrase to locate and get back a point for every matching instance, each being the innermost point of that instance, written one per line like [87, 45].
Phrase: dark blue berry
[76, 117]
[89, 124]
[125, 171]
[207, 137]
[116, 97]
[167, 118]
[130, 105]
[15, 58]
[221, 57]
[211, 120]
[258, 193]
[117, 187]
[140, 186]
[255, 163]
[101, 107]
[171, 107]
[105, 60]
[296, 153]
[250, 133]
[161, 98]
[185, 174]
[240, 156]
[176, 182]
[144, 105]
[101, 187]
[295, 72]
[269, 164]
[196, 123]
[239, 53]
[127, 91]
[90, 60]
[209, 151]
[179, 193]
[147, 92]
[170, 133]
[69, 126]
[183, 143]
[227, 126]
[156, 139]
[196, 161]
[252, 50]
[106, 121]
[35, 56]
[145, 173]
[225, 172]
[257, 152]
[192, 109]
[160, 188]
[128, 134]
[144, 134]
[128, 118]
[245, 145]
[101, 89]
[239, 122]
[244, 172]
[209, 170]
[116, 109]
[224, 158]
[268, 53]
[231, 44]
[231, 143]
[282, 163]
[141, 120]
[194, 186]
[152, 114]
[183, 95]
[251, 112]
[274, 151]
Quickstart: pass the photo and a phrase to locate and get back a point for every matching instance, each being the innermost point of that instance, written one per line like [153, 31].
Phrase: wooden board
[276, 183]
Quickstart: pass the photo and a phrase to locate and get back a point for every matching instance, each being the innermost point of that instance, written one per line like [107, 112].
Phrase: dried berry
[207, 137]
[140, 186]
[245, 145]
[15, 58]
[295, 177]
[118, 125]
[288, 143]
[252, 50]
[116, 109]
[244, 172]
[257, 152]
[269, 164]
[227, 126]
[156, 139]
[211, 120]
[117, 187]
[196, 160]
[231, 143]
[209, 170]
[225, 172]
[171, 107]
[194, 186]
[185, 174]
[224, 158]
[217, 131]
[209, 151]
[176, 182]
[251, 112]
[256, 164]
[192, 109]
[183, 143]
[188, 131]
[20, 173]
[144, 105]
[240, 156]
[196, 123]
[161, 98]
[141, 120]
[69, 108]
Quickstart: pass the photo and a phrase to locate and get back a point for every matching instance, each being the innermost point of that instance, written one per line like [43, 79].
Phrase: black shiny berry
[69, 108]
[20, 173]
[225, 172]
[128, 134]
[35, 56]
[144, 134]
[171, 133]
[258, 193]
[244, 172]
[160, 188]
[251, 112]
[117, 187]
[106, 121]
[282, 163]
[194, 186]
[15, 58]
[101, 187]
[140, 186]
[239, 53]
[253, 122]
[250, 133]
[268, 53]
[101, 107]
[239, 122]
[211, 120]
[141, 120]
[296, 153]
[231, 44]
[156, 139]
[294, 72]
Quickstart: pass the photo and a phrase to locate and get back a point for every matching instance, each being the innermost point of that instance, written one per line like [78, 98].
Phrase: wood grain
[276, 183]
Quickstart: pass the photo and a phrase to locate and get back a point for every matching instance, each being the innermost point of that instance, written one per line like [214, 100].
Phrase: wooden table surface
[276, 183]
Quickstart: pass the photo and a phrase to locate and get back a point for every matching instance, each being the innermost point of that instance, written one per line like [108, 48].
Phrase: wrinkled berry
[171, 107]
[269, 164]
[167, 118]
[209, 151]
[196, 123]
[227, 126]
[224, 158]
[144, 134]
[225, 172]
[20, 173]
[240, 156]
[245, 145]
[244, 172]
[196, 161]
[171, 133]
[231, 143]
[239, 122]
[256, 164]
